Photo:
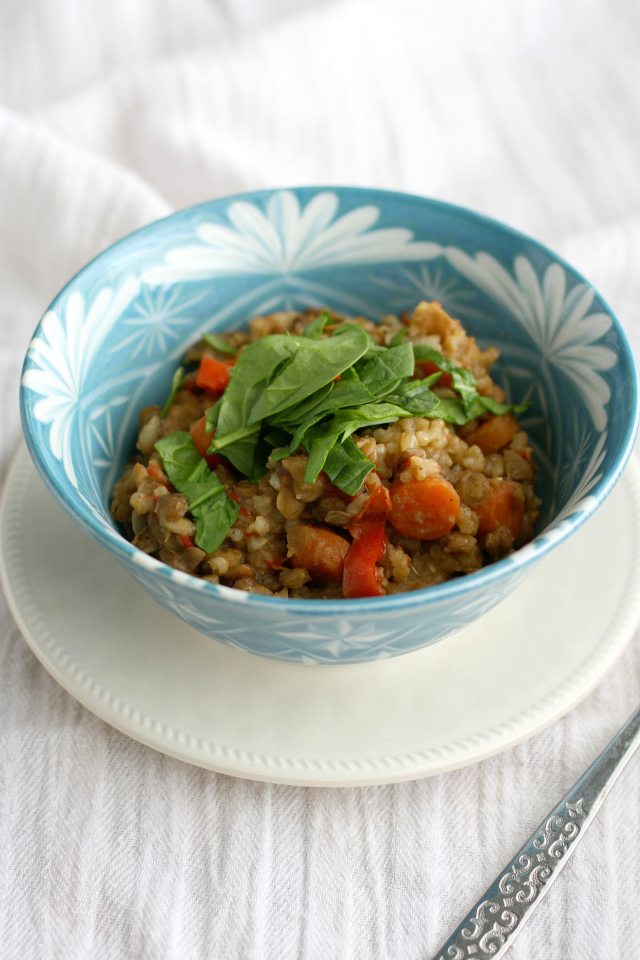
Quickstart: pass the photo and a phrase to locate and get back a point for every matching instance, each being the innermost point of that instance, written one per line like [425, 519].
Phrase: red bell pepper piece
[213, 375]
[361, 577]
[427, 367]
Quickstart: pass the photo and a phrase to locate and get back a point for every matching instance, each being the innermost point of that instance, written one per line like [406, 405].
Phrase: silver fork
[489, 929]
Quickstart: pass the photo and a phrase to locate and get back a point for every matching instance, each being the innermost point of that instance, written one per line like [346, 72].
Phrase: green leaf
[302, 410]
[463, 381]
[219, 344]
[212, 510]
[318, 440]
[316, 328]
[347, 467]
[212, 415]
[239, 450]
[316, 363]
[256, 365]
[347, 393]
[382, 371]
[398, 337]
[178, 377]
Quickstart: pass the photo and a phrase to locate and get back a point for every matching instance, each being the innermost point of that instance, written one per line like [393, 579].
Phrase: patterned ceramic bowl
[112, 338]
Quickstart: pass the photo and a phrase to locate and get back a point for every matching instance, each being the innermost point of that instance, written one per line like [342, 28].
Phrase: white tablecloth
[115, 112]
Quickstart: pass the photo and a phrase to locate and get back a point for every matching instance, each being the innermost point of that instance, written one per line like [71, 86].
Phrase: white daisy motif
[100, 434]
[285, 238]
[582, 477]
[61, 357]
[558, 322]
[158, 316]
[428, 283]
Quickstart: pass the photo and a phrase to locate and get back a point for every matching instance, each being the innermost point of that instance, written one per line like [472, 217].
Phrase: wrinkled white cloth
[112, 114]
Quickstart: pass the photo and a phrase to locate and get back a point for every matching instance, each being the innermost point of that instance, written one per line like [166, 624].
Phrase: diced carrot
[154, 471]
[201, 436]
[186, 540]
[425, 509]
[427, 367]
[504, 508]
[494, 434]
[202, 441]
[213, 375]
[320, 551]
[361, 577]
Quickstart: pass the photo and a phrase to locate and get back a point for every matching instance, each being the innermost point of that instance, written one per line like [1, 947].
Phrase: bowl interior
[111, 340]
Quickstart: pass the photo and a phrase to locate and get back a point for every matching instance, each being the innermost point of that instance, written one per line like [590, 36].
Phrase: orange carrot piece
[213, 375]
[202, 441]
[201, 436]
[503, 509]
[320, 551]
[425, 509]
[494, 434]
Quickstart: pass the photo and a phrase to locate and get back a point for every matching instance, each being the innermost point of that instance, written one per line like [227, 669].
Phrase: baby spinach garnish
[382, 371]
[222, 346]
[313, 391]
[347, 467]
[398, 337]
[314, 364]
[315, 329]
[247, 380]
[178, 377]
[211, 508]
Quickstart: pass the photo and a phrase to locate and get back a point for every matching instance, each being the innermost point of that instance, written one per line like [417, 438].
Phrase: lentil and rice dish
[317, 456]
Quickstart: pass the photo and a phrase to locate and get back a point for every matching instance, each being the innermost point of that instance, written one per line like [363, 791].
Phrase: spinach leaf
[350, 393]
[222, 346]
[347, 467]
[212, 510]
[316, 363]
[300, 412]
[213, 413]
[416, 396]
[241, 452]
[247, 380]
[398, 337]
[382, 371]
[320, 439]
[462, 379]
[300, 432]
[474, 404]
[316, 328]
[178, 377]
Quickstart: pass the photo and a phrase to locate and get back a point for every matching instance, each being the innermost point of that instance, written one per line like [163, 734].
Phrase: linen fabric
[116, 112]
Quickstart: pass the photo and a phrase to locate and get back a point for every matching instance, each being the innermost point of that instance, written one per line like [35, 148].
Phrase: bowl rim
[531, 553]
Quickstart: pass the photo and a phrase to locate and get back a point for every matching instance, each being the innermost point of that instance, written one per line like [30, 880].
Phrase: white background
[112, 114]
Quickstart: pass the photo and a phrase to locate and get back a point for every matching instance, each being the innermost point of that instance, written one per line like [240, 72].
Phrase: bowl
[111, 340]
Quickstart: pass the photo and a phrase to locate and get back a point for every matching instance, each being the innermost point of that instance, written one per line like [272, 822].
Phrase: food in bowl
[316, 456]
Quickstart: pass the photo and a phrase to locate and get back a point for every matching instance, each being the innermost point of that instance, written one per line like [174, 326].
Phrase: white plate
[519, 668]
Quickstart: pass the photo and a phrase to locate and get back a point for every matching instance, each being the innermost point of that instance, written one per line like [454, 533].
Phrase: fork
[489, 929]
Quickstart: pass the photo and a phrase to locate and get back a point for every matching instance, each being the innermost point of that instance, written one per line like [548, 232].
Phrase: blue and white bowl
[111, 340]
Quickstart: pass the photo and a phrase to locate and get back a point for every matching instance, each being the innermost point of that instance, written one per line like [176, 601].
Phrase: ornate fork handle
[491, 926]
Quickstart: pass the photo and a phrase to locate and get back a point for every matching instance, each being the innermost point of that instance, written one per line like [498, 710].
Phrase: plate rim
[303, 771]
